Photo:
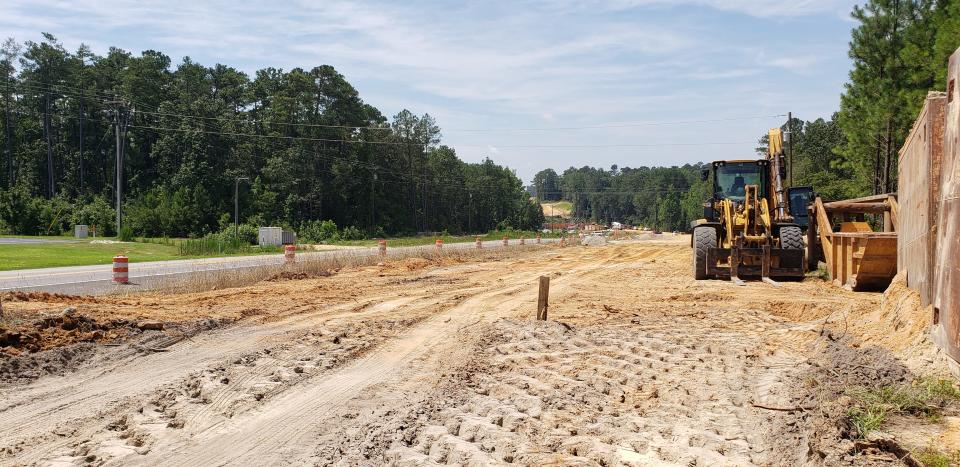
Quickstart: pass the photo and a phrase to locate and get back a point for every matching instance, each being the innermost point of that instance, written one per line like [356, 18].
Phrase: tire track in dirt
[281, 430]
[48, 416]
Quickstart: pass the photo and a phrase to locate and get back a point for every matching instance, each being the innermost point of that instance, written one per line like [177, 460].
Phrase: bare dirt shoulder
[419, 362]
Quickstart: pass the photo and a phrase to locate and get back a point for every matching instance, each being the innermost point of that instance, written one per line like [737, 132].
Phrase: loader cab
[730, 178]
[800, 198]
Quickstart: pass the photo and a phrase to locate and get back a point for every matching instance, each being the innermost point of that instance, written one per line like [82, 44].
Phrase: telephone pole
[80, 120]
[236, 206]
[52, 189]
[122, 115]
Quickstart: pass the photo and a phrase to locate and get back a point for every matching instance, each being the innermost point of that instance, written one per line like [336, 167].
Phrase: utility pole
[9, 134]
[121, 121]
[81, 120]
[373, 202]
[236, 206]
[46, 130]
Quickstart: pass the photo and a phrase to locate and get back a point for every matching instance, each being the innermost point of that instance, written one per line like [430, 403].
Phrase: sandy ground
[439, 362]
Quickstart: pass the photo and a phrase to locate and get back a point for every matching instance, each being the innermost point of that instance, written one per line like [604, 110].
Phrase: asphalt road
[96, 280]
[19, 241]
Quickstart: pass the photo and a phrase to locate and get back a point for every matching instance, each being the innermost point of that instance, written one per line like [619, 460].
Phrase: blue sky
[505, 79]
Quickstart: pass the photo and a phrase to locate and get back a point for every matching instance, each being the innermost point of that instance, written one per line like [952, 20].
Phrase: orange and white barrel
[382, 247]
[506, 240]
[290, 254]
[438, 244]
[121, 270]
[479, 243]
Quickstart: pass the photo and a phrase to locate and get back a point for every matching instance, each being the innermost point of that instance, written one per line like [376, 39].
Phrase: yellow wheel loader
[747, 229]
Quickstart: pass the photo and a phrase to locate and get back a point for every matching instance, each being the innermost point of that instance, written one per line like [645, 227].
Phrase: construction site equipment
[747, 229]
[856, 256]
[801, 197]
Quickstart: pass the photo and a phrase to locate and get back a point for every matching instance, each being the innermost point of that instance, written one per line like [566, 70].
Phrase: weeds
[214, 245]
[925, 397]
[313, 264]
[932, 457]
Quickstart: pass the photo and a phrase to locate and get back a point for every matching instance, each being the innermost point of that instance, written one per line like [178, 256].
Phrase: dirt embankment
[440, 361]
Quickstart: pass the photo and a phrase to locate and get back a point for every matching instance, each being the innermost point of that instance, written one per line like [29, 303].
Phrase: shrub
[97, 212]
[214, 244]
[318, 231]
[126, 234]
[245, 232]
[352, 233]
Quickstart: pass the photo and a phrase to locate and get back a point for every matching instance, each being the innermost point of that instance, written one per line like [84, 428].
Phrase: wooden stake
[542, 301]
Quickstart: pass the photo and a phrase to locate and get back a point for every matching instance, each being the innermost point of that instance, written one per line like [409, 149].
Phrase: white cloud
[489, 64]
[796, 64]
[756, 8]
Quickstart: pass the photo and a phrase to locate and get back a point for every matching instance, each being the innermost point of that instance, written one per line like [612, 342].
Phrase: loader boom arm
[775, 156]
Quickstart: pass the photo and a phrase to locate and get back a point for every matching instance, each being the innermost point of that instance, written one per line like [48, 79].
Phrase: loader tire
[791, 238]
[703, 238]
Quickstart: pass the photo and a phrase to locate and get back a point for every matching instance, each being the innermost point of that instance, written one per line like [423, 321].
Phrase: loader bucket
[779, 263]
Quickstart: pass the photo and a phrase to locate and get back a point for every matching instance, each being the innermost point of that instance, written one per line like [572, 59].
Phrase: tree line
[300, 147]
[664, 198]
[899, 50]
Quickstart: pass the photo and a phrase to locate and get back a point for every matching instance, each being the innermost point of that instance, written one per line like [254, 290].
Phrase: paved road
[97, 279]
[19, 241]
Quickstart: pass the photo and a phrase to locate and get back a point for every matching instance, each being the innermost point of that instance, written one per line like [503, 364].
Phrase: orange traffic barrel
[121, 270]
[290, 253]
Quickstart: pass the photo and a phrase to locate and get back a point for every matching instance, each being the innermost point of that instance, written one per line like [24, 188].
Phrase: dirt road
[439, 362]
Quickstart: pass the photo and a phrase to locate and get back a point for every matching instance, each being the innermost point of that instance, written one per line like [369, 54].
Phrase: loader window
[732, 179]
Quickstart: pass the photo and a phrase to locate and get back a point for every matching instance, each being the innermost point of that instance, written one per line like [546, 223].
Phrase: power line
[588, 146]
[624, 125]
[402, 143]
[292, 138]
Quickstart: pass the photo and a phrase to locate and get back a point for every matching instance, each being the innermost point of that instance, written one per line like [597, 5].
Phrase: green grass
[932, 457]
[81, 253]
[925, 397]
[85, 253]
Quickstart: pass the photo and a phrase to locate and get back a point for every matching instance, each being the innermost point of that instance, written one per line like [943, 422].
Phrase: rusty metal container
[946, 330]
[919, 197]
[856, 256]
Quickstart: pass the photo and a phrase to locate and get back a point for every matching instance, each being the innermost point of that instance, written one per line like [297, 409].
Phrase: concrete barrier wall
[919, 197]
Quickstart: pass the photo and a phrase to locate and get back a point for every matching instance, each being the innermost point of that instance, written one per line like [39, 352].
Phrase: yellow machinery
[746, 229]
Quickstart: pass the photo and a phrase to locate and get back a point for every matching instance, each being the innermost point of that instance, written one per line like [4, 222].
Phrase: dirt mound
[46, 297]
[900, 322]
[69, 327]
[292, 275]
[58, 361]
